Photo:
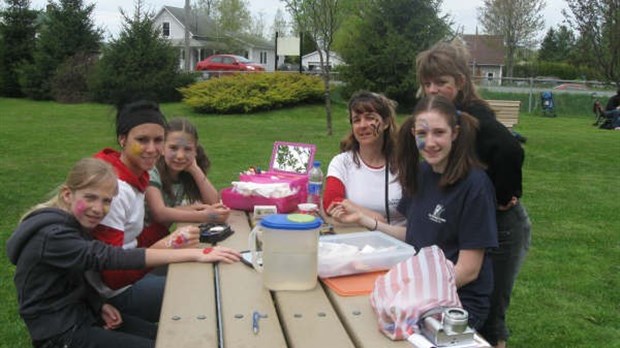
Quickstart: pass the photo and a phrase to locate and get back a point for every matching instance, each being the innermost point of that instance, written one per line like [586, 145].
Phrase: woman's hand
[219, 253]
[344, 212]
[111, 317]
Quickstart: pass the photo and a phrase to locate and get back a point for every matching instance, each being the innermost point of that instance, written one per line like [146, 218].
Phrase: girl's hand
[219, 253]
[188, 236]
[111, 317]
[215, 213]
[194, 169]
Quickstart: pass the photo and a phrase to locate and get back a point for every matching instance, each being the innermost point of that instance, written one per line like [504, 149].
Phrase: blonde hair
[87, 172]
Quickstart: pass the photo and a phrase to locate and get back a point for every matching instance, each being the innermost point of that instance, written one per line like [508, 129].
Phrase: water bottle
[315, 183]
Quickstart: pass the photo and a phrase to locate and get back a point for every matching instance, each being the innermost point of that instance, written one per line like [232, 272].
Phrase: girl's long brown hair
[191, 190]
[462, 157]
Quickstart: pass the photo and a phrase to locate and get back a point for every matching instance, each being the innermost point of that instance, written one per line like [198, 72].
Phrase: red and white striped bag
[411, 288]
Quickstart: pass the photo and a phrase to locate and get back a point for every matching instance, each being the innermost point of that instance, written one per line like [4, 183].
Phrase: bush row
[250, 92]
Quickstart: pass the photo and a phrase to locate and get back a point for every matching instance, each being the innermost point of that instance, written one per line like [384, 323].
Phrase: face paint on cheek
[420, 141]
[375, 127]
[106, 209]
[135, 149]
[79, 208]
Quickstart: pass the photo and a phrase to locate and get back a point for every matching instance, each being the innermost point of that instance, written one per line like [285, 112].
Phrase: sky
[464, 13]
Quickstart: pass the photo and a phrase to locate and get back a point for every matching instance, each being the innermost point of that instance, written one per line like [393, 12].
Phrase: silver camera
[452, 330]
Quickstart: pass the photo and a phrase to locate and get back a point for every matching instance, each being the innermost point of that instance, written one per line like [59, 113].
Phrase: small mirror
[292, 157]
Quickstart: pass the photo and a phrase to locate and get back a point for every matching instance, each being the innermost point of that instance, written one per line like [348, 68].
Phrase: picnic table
[313, 318]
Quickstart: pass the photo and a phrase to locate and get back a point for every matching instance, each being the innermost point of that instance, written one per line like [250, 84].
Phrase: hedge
[250, 92]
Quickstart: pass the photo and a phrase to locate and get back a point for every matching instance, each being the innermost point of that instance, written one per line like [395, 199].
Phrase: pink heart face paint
[79, 207]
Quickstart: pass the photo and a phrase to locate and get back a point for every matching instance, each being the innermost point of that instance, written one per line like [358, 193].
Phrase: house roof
[485, 49]
[202, 27]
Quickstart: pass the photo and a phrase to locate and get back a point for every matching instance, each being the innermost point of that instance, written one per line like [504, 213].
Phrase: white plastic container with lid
[289, 251]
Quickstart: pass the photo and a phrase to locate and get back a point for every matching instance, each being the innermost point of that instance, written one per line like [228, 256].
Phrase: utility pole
[187, 22]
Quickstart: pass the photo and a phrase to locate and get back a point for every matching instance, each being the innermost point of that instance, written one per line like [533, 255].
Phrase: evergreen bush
[69, 84]
[250, 92]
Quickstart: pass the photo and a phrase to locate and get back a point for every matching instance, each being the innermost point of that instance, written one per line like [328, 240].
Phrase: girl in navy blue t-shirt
[448, 199]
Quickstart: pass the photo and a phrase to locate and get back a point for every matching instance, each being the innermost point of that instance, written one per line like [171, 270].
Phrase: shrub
[249, 92]
[69, 84]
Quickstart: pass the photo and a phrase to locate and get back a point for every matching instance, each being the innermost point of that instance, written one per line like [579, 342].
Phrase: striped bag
[421, 283]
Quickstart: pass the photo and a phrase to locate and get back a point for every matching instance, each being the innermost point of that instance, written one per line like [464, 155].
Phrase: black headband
[136, 118]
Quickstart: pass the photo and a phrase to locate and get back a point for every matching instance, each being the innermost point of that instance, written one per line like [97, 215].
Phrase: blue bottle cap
[296, 222]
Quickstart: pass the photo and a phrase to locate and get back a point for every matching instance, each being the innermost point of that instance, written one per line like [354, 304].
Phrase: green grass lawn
[566, 296]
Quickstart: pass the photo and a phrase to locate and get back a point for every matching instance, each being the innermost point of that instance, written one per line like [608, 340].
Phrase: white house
[206, 39]
[487, 57]
[312, 60]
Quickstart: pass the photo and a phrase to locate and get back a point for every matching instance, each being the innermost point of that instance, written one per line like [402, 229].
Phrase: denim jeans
[514, 237]
[143, 299]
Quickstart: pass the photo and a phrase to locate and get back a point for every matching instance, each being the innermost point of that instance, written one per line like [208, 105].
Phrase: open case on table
[289, 165]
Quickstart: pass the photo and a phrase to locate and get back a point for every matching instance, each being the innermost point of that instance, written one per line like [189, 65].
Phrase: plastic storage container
[289, 251]
[360, 252]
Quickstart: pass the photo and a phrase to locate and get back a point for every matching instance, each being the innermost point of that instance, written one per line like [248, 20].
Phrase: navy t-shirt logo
[436, 215]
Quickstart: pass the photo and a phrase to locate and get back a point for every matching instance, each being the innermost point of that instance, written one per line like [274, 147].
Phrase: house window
[490, 76]
[165, 29]
[263, 57]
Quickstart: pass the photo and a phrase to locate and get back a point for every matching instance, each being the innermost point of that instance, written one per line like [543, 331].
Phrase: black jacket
[613, 103]
[499, 150]
[51, 252]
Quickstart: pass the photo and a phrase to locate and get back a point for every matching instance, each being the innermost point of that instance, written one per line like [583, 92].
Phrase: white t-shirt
[365, 186]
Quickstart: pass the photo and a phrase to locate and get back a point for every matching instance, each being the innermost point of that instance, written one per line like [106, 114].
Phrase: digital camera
[213, 233]
[452, 330]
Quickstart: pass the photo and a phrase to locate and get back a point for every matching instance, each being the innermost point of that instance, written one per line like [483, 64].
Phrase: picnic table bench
[313, 318]
[506, 111]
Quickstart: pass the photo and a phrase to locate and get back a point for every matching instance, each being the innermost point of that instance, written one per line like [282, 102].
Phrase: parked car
[228, 62]
[290, 67]
[571, 87]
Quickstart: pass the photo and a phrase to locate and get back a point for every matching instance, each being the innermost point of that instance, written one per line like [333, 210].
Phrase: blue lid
[291, 221]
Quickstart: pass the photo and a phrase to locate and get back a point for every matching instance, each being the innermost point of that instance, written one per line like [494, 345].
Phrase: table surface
[313, 318]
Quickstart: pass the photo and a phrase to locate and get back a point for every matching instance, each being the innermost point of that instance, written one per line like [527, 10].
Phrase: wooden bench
[506, 111]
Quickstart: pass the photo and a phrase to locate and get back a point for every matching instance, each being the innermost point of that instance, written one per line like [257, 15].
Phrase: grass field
[566, 296]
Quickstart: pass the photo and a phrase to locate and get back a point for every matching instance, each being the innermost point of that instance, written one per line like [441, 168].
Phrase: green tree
[67, 30]
[558, 45]
[139, 64]
[598, 25]
[320, 19]
[517, 22]
[17, 34]
[380, 43]
[233, 16]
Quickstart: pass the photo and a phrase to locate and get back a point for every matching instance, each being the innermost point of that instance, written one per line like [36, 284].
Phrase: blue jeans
[143, 299]
[514, 237]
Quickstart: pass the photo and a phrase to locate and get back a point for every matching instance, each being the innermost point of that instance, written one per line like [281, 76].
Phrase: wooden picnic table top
[313, 318]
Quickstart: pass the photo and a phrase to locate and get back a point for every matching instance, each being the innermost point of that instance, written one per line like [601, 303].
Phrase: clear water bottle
[315, 183]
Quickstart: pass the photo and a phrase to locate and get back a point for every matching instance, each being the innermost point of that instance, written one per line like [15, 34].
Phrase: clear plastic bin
[376, 251]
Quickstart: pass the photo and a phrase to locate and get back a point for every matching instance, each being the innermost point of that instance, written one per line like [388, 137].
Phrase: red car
[228, 62]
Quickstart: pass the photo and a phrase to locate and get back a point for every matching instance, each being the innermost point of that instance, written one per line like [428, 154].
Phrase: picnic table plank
[360, 321]
[243, 293]
[309, 320]
[188, 307]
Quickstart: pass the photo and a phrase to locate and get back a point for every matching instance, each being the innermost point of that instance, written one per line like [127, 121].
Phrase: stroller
[547, 104]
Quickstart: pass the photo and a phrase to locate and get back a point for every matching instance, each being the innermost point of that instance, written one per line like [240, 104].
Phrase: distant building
[206, 39]
[312, 61]
[487, 57]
